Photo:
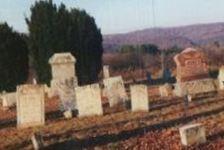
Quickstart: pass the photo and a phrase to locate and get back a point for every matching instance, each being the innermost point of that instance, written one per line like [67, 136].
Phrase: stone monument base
[195, 87]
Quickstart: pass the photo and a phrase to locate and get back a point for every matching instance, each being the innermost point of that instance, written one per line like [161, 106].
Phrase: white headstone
[9, 99]
[221, 78]
[139, 98]
[30, 105]
[115, 90]
[192, 134]
[89, 100]
[106, 72]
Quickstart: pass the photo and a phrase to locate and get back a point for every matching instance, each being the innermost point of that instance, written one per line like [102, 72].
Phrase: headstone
[192, 73]
[8, 100]
[221, 78]
[166, 90]
[89, 100]
[66, 92]
[115, 90]
[139, 98]
[68, 114]
[64, 79]
[191, 65]
[106, 72]
[63, 68]
[37, 140]
[30, 105]
[192, 134]
[34, 81]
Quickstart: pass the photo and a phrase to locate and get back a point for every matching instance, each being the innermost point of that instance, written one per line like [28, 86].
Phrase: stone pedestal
[192, 134]
[195, 87]
[64, 79]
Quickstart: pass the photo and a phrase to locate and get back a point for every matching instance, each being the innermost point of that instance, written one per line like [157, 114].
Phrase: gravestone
[64, 79]
[115, 90]
[192, 73]
[191, 64]
[106, 72]
[192, 134]
[30, 105]
[8, 100]
[88, 100]
[221, 78]
[66, 92]
[62, 67]
[139, 98]
[166, 90]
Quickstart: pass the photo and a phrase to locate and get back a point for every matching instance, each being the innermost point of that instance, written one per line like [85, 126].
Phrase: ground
[120, 128]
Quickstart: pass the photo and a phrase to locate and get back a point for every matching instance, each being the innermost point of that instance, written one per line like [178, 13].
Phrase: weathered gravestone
[64, 79]
[166, 90]
[192, 134]
[221, 78]
[89, 100]
[115, 90]
[139, 98]
[63, 68]
[66, 92]
[30, 105]
[8, 99]
[106, 72]
[191, 65]
[192, 73]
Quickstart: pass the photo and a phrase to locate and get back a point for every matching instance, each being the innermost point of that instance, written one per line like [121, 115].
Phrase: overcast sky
[118, 16]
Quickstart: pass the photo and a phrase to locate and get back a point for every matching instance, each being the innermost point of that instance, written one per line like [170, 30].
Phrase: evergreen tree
[57, 29]
[14, 65]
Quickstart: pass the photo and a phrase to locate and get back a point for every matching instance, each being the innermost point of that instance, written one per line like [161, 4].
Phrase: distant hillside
[183, 36]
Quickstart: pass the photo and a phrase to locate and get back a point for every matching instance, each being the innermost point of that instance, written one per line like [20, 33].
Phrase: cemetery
[112, 114]
[111, 75]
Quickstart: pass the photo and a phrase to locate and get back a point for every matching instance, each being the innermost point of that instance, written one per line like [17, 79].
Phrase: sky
[120, 16]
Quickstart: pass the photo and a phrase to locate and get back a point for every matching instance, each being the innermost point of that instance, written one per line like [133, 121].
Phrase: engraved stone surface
[66, 92]
[192, 134]
[30, 105]
[115, 90]
[191, 65]
[221, 78]
[139, 98]
[106, 72]
[9, 99]
[89, 100]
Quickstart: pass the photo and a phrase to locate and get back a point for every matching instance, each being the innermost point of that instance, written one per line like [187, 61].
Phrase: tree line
[52, 29]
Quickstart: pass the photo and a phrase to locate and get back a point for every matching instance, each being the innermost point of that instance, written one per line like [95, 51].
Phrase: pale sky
[119, 16]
